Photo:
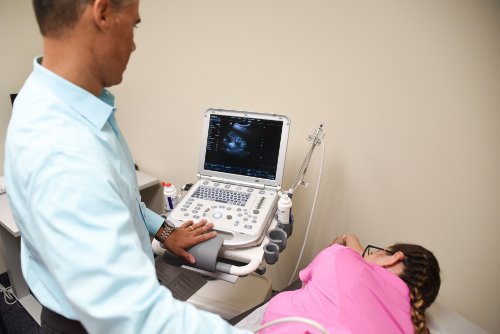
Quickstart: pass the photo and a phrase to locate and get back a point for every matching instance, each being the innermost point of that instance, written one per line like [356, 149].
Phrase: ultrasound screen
[243, 146]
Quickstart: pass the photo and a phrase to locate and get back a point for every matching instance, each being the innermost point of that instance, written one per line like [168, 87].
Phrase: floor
[13, 317]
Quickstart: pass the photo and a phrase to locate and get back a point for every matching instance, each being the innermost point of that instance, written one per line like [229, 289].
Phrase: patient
[351, 290]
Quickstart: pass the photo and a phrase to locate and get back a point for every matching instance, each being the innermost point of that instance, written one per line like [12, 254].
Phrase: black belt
[54, 323]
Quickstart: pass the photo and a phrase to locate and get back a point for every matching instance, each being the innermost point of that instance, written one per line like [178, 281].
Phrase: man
[85, 247]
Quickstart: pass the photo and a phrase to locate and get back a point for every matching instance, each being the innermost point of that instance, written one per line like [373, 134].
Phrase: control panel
[240, 214]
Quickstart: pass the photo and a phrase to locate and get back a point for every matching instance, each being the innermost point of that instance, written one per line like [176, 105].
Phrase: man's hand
[187, 235]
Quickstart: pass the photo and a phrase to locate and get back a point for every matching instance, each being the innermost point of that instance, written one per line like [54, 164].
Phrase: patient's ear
[399, 255]
[394, 259]
[394, 262]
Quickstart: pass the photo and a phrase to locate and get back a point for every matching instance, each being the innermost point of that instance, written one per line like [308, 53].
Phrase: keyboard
[222, 195]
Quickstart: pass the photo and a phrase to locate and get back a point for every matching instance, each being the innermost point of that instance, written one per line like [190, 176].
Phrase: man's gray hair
[54, 17]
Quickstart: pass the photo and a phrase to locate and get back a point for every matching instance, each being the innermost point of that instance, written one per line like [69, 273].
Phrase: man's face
[119, 43]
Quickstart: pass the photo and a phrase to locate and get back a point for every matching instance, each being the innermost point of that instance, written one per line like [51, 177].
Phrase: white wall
[407, 93]
[20, 42]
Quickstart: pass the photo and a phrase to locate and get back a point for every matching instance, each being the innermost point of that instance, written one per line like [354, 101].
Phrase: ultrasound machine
[239, 184]
[240, 171]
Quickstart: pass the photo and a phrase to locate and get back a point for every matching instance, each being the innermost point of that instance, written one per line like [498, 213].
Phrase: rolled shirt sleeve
[152, 220]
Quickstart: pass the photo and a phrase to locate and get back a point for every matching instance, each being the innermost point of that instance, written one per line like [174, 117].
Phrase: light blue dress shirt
[85, 246]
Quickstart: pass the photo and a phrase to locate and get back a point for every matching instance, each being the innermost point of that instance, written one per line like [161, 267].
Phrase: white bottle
[170, 194]
[284, 207]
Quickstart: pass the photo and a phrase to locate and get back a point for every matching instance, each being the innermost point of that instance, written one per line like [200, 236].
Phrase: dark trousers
[54, 323]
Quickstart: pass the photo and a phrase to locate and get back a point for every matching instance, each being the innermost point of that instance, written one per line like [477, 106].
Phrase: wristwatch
[168, 228]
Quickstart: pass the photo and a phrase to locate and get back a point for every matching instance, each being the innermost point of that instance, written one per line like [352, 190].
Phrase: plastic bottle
[170, 194]
[284, 207]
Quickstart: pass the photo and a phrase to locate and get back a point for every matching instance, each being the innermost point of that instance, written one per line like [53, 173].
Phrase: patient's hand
[187, 235]
[349, 240]
[340, 239]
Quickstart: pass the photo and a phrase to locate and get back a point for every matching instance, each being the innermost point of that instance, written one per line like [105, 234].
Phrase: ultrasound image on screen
[243, 146]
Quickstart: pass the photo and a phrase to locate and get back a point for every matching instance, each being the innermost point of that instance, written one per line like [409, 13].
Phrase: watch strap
[168, 228]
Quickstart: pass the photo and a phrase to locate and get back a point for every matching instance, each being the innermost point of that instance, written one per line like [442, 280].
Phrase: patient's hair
[422, 275]
[54, 17]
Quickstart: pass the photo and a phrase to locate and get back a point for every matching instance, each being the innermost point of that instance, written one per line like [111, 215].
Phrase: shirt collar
[96, 110]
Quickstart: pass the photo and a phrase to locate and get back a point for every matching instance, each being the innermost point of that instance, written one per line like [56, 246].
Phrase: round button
[217, 215]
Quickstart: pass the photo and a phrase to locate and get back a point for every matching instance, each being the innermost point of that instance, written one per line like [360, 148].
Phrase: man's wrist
[165, 230]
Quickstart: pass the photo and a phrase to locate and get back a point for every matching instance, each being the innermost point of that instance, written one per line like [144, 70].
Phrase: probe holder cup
[278, 237]
[271, 253]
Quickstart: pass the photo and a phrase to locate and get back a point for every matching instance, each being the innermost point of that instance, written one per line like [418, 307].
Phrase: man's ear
[101, 10]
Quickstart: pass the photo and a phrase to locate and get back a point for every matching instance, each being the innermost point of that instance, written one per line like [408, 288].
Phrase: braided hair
[421, 275]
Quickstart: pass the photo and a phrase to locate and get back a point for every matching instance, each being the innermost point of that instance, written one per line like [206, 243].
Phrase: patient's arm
[349, 240]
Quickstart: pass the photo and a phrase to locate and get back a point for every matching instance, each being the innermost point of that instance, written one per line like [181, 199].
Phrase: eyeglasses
[370, 249]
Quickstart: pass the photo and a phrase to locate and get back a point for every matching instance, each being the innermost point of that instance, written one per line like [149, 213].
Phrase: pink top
[345, 294]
